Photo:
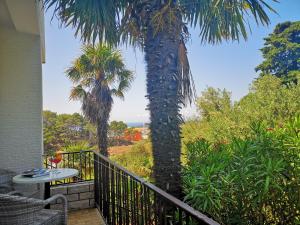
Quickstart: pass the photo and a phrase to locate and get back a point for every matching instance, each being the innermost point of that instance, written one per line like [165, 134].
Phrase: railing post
[105, 191]
[113, 196]
[96, 180]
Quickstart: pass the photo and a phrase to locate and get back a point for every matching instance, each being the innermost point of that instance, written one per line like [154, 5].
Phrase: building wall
[20, 100]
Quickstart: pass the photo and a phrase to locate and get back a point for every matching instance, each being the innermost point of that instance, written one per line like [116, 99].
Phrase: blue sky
[227, 65]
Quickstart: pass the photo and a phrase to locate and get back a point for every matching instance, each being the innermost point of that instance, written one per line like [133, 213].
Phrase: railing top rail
[162, 193]
[82, 151]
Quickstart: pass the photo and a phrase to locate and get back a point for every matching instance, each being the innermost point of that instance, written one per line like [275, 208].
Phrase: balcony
[106, 193]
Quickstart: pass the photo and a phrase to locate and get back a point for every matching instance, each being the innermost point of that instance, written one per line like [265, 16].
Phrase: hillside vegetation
[241, 160]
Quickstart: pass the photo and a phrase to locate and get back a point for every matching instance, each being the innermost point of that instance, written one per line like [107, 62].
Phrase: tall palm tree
[159, 27]
[98, 75]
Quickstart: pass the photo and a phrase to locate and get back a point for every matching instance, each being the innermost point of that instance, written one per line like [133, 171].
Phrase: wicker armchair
[16, 210]
[6, 184]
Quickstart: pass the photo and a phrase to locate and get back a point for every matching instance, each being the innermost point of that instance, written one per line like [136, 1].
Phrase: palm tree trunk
[161, 55]
[102, 129]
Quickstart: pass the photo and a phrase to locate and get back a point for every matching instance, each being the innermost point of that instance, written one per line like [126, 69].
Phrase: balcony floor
[85, 217]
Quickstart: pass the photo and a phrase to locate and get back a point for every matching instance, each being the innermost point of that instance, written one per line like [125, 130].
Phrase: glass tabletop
[55, 174]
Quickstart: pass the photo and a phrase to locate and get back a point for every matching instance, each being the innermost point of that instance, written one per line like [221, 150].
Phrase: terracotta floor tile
[85, 217]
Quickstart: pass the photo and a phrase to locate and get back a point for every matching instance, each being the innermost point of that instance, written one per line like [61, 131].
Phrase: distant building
[144, 132]
[133, 134]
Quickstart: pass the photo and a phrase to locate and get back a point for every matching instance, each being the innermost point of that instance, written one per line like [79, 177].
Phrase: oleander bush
[254, 180]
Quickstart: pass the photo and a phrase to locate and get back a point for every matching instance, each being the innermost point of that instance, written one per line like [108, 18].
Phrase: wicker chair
[16, 210]
[6, 184]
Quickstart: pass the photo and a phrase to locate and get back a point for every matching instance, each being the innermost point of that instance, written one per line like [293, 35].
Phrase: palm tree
[159, 27]
[98, 75]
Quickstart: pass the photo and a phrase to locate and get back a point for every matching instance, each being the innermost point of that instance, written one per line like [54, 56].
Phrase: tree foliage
[220, 118]
[254, 180]
[116, 132]
[281, 52]
[74, 132]
[62, 130]
[127, 21]
[117, 128]
[98, 75]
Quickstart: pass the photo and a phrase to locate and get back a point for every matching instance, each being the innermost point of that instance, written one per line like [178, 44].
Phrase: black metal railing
[124, 198]
[83, 161]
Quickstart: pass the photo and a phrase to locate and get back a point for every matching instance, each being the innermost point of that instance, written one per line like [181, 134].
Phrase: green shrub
[80, 146]
[255, 180]
[137, 160]
[220, 118]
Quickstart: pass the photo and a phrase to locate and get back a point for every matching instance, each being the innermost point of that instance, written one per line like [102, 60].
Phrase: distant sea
[135, 124]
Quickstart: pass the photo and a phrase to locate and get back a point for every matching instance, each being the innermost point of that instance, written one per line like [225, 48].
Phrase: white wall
[20, 100]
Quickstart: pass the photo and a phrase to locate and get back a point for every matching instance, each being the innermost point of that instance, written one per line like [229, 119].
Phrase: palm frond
[73, 74]
[187, 86]
[100, 65]
[166, 17]
[125, 78]
[97, 104]
[88, 82]
[117, 93]
[90, 109]
[80, 73]
[224, 19]
[133, 23]
[99, 69]
[92, 19]
[78, 93]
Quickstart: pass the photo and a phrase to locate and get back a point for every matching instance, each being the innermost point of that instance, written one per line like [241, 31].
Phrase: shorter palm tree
[98, 75]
